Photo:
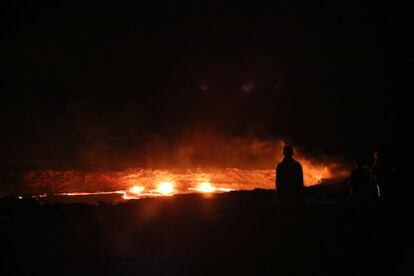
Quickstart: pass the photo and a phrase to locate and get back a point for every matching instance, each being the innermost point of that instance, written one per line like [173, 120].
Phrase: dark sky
[117, 78]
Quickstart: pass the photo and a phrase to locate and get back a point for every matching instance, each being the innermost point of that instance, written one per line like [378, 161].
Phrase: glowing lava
[137, 190]
[205, 187]
[165, 188]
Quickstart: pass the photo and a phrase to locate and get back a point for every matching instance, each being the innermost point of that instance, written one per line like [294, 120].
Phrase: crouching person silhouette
[289, 184]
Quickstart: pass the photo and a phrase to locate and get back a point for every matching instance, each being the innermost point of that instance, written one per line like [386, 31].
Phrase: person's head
[288, 151]
[375, 154]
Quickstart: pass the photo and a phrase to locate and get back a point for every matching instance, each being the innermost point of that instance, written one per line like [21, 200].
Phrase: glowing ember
[137, 190]
[165, 188]
[205, 187]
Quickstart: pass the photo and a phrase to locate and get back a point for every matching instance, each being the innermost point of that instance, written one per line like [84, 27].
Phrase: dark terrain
[237, 233]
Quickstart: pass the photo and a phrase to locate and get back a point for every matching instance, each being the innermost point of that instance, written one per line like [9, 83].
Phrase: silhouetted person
[289, 181]
[377, 174]
[382, 172]
[363, 191]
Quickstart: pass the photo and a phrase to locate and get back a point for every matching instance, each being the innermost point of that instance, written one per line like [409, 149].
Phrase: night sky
[111, 80]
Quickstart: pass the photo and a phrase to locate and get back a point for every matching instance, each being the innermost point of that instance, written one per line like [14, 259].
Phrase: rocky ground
[236, 233]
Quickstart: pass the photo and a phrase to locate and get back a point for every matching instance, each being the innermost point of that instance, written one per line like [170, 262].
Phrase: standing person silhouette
[377, 174]
[363, 191]
[289, 182]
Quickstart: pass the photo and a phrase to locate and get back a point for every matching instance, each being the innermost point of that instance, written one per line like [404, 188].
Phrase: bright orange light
[136, 189]
[205, 187]
[165, 188]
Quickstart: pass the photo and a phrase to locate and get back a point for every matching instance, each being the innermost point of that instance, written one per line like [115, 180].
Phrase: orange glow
[85, 193]
[205, 187]
[165, 188]
[137, 190]
[168, 182]
[236, 164]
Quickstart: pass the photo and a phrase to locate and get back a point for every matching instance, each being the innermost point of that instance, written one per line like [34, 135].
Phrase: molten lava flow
[205, 187]
[138, 183]
[165, 188]
[136, 190]
[252, 166]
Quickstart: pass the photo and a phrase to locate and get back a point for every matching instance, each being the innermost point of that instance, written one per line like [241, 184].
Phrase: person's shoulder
[297, 163]
[281, 164]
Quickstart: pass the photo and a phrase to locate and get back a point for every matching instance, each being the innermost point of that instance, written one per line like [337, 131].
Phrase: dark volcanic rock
[236, 233]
